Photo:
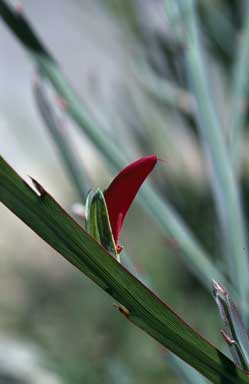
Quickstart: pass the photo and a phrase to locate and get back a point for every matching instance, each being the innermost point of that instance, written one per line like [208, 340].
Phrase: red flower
[122, 191]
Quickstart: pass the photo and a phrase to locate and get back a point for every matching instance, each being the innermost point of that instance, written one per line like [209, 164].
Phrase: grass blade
[42, 214]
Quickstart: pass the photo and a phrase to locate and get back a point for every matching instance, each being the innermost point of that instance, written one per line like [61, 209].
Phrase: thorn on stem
[38, 188]
[122, 309]
[227, 338]
[217, 288]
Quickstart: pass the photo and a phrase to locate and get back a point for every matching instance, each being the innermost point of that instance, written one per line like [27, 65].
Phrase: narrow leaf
[98, 223]
[139, 304]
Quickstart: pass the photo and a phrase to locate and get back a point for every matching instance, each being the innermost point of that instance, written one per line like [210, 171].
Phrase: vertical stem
[239, 90]
[225, 189]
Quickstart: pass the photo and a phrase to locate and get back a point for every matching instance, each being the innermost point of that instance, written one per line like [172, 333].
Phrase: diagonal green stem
[138, 304]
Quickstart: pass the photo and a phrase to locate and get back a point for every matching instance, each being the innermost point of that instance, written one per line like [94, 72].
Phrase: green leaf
[98, 223]
[139, 304]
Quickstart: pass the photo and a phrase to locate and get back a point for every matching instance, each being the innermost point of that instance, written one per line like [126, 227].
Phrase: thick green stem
[137, 303]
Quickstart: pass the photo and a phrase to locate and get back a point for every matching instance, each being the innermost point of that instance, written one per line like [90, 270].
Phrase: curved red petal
[123, 189]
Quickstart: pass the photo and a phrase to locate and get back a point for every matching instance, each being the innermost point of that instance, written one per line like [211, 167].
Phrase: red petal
[123, 189]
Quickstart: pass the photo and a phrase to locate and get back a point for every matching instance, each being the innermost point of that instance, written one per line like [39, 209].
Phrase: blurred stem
[225, 189]
[162, 213]
[62, 140]
[219, 26]
[239, 93]
[164, 90]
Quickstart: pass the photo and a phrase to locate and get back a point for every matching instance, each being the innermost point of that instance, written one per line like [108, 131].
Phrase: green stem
[138, 304]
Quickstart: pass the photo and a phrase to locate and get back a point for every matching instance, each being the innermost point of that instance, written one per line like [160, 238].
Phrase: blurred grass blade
[240, 92]
[219, 26]
[235, 332]
[225, 189]
[163, 90]
[195, 256]
[42, 214]
[62, 138]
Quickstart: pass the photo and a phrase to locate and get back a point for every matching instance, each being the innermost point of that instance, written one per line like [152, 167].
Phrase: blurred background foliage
[127, 64]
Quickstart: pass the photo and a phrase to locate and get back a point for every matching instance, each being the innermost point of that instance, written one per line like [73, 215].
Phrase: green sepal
[97, 221]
